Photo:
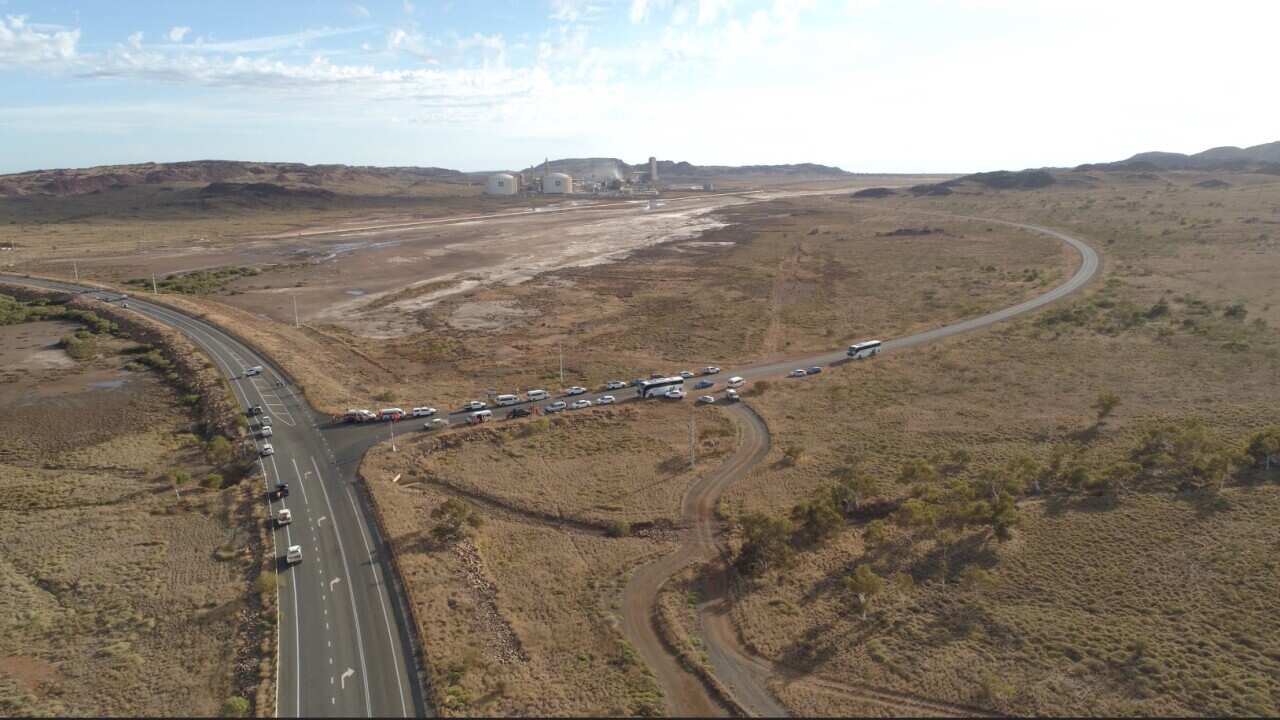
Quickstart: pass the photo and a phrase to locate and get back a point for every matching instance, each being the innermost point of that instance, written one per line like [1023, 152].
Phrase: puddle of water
[355, 291]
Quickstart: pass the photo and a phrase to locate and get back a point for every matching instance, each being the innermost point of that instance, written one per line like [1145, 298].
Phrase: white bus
[507, 399]
[658, 387]
[857, 351]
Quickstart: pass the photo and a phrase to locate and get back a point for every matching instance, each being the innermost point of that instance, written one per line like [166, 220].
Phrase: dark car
[255, 410]
[282, 490]
[703, 384]
[814, 370]
[519, 412]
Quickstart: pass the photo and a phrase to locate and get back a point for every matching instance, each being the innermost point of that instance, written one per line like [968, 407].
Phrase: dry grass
[1158, 606]
[519, 620]
[113, 601]
[625, 466]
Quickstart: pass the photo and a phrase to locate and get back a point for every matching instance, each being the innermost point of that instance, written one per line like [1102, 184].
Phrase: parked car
[255, 410]
[710, 370]
[504, 400]
[580, 404]
[264, 421]
[255, 370]
[423, 412]
[656, 376]
[636, 382]
[479, 416]
[736, 382]
[294, 555]
[268, 450]
[674, 394]
[731, 396]
[359, 415]
[707, 399]
[575, 390]
[556, 406]
[614, 385]
[284, 517]
[265, 432]
[281, 491]
[475, 405]
[686, 374]
[392, 414]
[434, 423]
[606, 400]
[798, 372]
[703, 384]
[519, 413]
[814, 370]
[535, 395]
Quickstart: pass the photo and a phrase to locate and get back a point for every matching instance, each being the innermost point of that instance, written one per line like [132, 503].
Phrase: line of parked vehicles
[656, 386]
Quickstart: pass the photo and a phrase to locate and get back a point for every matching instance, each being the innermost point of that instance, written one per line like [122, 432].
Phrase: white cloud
[269, 43]
[23, 44]
[177, 33]
[574, 11]
[360, 11]
[135, 40]
[710, 10]
[408, 7]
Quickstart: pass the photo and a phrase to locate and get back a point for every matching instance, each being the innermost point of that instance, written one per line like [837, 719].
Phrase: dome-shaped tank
[500, 184]
[557, 183]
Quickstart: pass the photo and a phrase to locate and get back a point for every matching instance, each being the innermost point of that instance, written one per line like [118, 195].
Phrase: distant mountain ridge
[63, 182]
[1265, 158]
[614, 168]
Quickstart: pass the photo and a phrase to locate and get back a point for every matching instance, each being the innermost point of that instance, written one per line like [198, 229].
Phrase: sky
[868, 85]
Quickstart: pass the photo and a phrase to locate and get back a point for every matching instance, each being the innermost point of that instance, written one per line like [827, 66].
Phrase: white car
[284, 517]
[674, 394]
[294, 555]
[264, 421]
[556, 406]
[423, 412]
[731, 395]
[707, 399]
[799, 372]
[435, 423]
[614, 385]
[686, 374]
[606, 400]
[265, 432]
[255, 370]
[475, 405]
[710, 370]
[268, 450]
[580, 404]
[575, 390]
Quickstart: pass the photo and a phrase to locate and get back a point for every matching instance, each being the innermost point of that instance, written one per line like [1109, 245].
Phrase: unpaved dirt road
[743, 674]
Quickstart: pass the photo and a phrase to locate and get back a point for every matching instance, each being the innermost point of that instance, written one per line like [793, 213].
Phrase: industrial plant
[590, 177]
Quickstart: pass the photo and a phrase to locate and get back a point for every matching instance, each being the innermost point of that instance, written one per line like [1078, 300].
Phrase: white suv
[423, 412]
[294, 555]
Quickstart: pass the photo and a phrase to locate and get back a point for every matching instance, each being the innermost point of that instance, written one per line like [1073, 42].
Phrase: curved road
[742, 674]
[345, 644]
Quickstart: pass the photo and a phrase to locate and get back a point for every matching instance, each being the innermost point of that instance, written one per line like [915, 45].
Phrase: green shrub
[235, 706]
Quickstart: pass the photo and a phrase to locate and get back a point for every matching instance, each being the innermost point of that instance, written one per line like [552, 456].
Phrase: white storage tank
[500, 184]
[557, 183]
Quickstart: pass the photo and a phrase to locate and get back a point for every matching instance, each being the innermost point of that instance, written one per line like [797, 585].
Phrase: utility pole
[154, 290]
[295, 312]
[693, 452]
[75, 267]
[561, 346]
[392, 425]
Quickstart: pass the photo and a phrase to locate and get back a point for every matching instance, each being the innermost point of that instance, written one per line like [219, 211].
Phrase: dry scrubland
[117, 597]
[784, 278]
[519, 617]
[1126, 589]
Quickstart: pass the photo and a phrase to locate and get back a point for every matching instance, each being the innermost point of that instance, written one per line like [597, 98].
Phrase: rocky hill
[1259, 158]
[292, 177]
[680, 171]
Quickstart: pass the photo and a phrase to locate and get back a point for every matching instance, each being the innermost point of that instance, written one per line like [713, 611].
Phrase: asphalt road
[344, 647]
[344, 642]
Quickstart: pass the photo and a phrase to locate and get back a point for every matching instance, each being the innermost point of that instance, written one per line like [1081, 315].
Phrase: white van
[479, 416]
[506, 399]
[736, 382]
[535, 395]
